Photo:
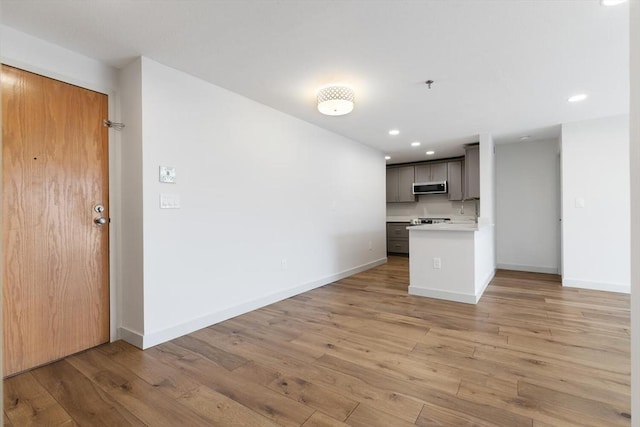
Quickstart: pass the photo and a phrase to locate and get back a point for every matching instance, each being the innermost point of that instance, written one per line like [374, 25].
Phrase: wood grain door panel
[55, 170]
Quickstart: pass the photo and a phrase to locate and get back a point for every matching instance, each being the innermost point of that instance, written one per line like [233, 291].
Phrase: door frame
[114, 142]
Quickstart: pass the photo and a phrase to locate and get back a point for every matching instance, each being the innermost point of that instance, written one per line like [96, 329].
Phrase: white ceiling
[505, 67]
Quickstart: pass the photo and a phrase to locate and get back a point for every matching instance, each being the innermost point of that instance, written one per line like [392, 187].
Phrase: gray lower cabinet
[456, 176]
[472, 172]
[400, 184]
[397, 238]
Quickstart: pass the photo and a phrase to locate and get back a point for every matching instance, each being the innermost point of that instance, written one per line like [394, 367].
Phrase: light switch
[168, 174]
[579, 202]
[169, 201]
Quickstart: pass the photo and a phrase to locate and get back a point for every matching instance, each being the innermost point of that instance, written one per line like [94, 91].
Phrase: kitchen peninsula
[450, 261]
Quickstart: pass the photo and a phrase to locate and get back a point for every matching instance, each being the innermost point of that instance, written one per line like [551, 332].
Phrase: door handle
[100, 220]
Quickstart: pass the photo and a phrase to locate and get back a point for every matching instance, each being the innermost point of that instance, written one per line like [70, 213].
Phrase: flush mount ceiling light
[415, 144]
[335, 100]
[430, 153]
[394, 132]
[612, 2]
[387, 157]
[525, 137]
[577, 98]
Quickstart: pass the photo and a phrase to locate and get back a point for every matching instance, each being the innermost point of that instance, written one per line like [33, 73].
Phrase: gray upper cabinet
[392, 185]
[472, 172]
[431, 172]
[400, 184]
[456, 176]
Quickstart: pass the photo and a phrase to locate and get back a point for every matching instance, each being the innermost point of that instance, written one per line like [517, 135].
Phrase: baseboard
[446, 295]
[132, 337]
[529, 268]
[158, 337]
[596, 286]
[452, 296]
[487, 280]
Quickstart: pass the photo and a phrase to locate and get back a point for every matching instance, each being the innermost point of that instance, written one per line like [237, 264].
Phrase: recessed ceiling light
[430, 153]
[612, 2]
[387, 157]
[525, 137]
[394, 132]
[415, 144]
[577, 98]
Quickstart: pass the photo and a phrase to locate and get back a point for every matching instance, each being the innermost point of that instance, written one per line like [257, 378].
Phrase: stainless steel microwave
[436, 187]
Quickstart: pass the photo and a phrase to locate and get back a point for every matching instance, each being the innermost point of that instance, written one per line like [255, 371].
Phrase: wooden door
[56, 258]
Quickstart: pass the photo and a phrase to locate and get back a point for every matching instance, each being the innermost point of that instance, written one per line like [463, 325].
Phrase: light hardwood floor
[360, 352]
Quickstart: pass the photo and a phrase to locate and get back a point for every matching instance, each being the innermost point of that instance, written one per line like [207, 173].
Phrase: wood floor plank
[361, 351]
[261, 399]
[368, 416]
[355, 388]
[434, 416]
[221, 357]
[519, 405]
[217, 408]
[530, 364]
[330, 403]
[391, 364]
[221, 410]
[318, 419]
[27, 403]
[140, 398]
[81, 398]
[599, 413]
[421, 390]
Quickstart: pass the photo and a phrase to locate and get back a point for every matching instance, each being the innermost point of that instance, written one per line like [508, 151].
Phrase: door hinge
[112, 125]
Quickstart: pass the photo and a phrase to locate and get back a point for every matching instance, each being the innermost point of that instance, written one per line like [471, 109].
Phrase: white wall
[635, 211]
[595, 238]
[256, 187]
[528, 206]
[39, 56]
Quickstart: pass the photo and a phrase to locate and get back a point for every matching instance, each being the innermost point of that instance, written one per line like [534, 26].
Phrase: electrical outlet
[284, 263]
[437, 263]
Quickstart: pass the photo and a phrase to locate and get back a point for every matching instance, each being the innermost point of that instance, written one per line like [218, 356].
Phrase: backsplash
[433, 205]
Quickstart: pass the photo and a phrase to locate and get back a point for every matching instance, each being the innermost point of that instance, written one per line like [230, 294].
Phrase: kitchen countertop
[454, 218]
[452, 226]
[400, 218]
